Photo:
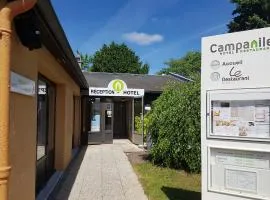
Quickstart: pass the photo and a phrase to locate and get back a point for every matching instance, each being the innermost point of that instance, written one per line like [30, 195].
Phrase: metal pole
[142, 121]
[133, 121]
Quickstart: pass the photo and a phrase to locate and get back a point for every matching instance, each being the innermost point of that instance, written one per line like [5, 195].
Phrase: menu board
[238, 171]
[245, 159]
[241, 180]
[241, 118]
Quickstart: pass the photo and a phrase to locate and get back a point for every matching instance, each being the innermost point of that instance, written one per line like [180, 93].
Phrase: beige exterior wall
[23, 119]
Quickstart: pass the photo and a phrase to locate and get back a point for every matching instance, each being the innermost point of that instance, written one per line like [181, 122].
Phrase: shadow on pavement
[138, 157]
[180, 194]
[63, 188]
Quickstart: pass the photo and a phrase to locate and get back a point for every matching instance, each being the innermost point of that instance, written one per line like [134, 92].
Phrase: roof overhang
[51, 34]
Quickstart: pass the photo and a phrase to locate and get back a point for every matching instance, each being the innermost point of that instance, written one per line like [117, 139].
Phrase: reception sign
[116, 87]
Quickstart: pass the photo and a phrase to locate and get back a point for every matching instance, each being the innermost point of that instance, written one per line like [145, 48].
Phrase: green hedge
[138, 125]
[175, 127]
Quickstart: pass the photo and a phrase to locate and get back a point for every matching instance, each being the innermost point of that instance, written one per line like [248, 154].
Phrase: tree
[174, 126]
[188, 66]
[118, 58]
[86, 61]
[250, 14]
[145, 68]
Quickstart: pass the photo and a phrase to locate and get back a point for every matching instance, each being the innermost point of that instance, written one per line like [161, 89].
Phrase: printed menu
[241, 119]
[241, 180]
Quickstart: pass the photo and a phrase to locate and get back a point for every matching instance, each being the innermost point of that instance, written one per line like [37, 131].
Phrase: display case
[243, 173]
[239, 114]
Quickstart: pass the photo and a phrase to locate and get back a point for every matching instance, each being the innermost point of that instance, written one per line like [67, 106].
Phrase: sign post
[235, 110]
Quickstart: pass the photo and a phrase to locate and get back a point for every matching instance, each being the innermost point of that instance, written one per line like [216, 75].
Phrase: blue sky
[157, 30]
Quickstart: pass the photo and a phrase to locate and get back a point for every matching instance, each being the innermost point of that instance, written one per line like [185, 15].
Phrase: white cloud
[143, 38]
[124, 20]
[177, 43]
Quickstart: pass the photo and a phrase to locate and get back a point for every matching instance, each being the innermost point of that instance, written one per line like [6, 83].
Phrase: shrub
[138, 124]
[174, 124]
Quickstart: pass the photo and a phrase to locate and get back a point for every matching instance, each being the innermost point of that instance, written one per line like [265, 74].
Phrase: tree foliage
[188, 66]
[141, 126]
[86, 61]
[174, 125]
[250, 14]
[118, 58]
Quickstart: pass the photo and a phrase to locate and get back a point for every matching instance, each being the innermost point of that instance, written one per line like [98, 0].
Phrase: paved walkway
[101, 172]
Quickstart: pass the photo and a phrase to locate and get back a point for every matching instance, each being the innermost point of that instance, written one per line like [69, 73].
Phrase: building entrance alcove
[118, 103]
[122, 126]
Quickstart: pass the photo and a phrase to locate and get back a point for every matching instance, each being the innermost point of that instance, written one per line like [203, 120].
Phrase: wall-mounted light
[147, 108]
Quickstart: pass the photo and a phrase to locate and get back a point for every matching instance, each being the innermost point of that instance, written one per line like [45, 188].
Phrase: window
[45, 151]
[42, 114]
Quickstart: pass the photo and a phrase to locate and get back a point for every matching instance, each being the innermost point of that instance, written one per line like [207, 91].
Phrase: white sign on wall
[22, 85]
[237, 60]
[235, 110]
[116, 88]
[42, 89]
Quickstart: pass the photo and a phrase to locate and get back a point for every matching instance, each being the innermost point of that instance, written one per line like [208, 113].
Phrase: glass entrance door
[101, 122]
[120, 121]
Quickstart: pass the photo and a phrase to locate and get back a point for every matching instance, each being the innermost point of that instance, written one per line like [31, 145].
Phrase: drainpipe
[7, 13]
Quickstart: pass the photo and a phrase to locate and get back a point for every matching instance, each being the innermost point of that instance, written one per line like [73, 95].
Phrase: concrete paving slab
[102, 172]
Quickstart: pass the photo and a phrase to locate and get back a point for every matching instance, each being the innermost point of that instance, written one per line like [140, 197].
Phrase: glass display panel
[95, 117]
[240, 172]
[240, 118]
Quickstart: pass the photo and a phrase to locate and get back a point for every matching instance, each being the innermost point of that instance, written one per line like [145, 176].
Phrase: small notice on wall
[241, 118]
[22, 85]
[241, 180]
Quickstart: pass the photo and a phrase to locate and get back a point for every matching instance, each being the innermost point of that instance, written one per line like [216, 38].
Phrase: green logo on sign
[118, 85]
